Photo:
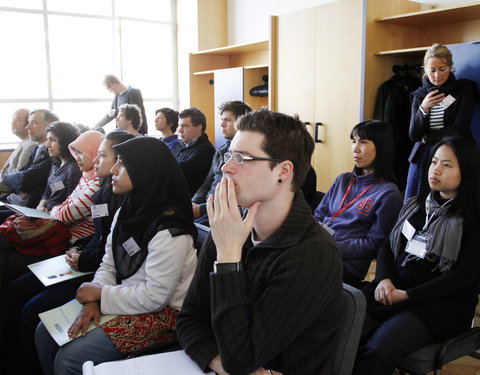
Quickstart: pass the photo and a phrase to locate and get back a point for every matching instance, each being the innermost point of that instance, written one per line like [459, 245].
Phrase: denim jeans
[95, 346]
[392, 339]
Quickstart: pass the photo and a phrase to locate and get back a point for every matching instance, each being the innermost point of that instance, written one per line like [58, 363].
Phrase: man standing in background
[123, 94]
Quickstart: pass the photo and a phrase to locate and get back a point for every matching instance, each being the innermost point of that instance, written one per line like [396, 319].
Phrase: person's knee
[66, 362]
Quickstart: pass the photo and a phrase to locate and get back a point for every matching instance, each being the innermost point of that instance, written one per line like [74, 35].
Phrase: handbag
[35, 237]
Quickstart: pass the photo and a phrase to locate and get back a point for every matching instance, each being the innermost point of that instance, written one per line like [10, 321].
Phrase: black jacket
[456, 119]
[32, 178]
[195, 162]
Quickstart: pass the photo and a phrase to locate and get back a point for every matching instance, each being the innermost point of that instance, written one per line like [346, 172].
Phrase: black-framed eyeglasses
[239, 158]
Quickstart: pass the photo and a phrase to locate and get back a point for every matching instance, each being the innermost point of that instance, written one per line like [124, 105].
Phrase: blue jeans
[392, 339]
[96, 346]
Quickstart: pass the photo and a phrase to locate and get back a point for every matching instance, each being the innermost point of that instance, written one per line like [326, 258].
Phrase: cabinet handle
[309, 127]
[318, 136]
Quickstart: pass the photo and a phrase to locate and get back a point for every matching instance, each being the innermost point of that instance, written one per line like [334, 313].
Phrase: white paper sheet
[54, 270]
[29, 212]
[57, 321]
[177, 362]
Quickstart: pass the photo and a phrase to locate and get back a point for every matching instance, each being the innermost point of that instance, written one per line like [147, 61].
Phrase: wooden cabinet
[317, 72]
[212, 68]
[328, 62]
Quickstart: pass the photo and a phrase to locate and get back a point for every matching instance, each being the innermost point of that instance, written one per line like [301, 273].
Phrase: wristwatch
[221, 268]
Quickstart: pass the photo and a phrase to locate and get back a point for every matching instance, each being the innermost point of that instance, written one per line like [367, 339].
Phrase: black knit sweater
[282, 311]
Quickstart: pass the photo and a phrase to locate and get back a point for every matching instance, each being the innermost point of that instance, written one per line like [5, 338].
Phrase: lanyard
[342, 207]
[429, 217]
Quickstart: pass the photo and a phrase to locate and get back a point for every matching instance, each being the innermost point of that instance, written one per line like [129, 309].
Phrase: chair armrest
[471, 335]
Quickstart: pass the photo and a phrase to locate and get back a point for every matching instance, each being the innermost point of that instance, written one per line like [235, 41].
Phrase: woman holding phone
[442, 106]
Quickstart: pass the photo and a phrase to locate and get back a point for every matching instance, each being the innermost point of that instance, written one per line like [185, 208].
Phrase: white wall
[249, 20]
[187, 41]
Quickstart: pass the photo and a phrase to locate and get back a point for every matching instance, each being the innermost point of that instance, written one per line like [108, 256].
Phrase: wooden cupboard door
[228, 87]
[338, 85]
[294, 64]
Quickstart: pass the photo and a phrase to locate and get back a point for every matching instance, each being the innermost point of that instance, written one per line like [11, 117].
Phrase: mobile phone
[433, 88]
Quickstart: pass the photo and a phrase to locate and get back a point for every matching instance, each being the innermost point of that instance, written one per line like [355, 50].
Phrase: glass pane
[24, 4]
[23, 68]
[97, 7]
[151, 71]
[85, 113]
[6, 113]
[147, 9]
[79, 60]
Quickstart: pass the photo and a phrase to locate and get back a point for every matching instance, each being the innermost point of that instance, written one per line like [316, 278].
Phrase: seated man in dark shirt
[195, 158]
[166, 122]
[267, 292]
[29, 183]
[229, 112]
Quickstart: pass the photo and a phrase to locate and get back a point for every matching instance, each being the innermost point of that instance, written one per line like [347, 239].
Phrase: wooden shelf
[205, 72]
[436, 16]
[236, 49]
[407, 52]
[256, 66]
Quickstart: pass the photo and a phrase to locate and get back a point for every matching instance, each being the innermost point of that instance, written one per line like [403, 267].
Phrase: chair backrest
[347, 346]
[203, 232]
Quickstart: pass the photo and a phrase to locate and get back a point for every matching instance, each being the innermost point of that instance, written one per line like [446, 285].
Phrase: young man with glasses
[267, 293]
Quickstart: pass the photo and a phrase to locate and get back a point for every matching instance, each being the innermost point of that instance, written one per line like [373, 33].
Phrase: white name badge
[130, 246]
[447, 101]
[417, 246]
[330, 230]
[99, 210]
[408, 230]
[57, 186]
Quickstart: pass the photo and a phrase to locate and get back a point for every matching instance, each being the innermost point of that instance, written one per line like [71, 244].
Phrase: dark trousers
[384, 343]
[27, 298]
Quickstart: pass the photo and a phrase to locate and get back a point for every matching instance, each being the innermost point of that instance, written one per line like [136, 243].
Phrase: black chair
[203, 232]
[432, 357]
[347, 346]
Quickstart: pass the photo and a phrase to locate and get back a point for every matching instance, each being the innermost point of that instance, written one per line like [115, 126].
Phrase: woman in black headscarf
[148, 265]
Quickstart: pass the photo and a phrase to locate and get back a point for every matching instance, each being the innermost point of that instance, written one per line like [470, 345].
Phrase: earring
[279, 181]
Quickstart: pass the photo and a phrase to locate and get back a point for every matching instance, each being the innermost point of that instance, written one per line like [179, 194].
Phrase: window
[58, 51]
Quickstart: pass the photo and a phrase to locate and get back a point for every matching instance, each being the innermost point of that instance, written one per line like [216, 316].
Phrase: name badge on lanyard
[417, 246]
[57, 186]
[99, 210]
[329, 229]
[131, 246]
